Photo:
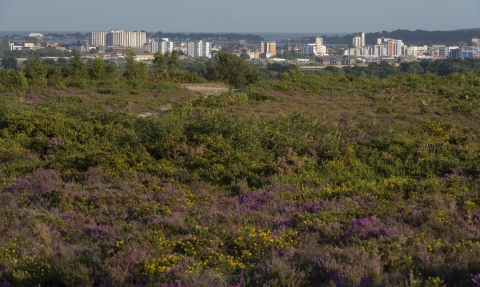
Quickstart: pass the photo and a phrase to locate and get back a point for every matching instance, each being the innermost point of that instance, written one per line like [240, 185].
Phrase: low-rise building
[465, 52]
[338, 60]
[305, 61]
[80, 48]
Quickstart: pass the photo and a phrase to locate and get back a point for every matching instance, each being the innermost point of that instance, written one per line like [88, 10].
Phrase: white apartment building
[308, 49]
[358, 40]
[398, 48]
[163, 46]
[410, 50]
[198, 49]
[315, 47]
[96, 39]
[126, 39]
[379, 51]
[117, 38]
[317, 40]
[440, 51]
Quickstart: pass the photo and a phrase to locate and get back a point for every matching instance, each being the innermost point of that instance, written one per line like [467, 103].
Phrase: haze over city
[247, 16]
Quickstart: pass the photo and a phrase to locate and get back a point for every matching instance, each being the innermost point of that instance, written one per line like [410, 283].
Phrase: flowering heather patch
[32, 98]
[366, 228]
[274, 93]
[37, 183]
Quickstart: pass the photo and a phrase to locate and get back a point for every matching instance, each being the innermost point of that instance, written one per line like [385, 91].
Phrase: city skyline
[218, 16]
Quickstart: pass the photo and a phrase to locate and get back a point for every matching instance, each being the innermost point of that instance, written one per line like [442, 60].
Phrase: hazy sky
[241, 16]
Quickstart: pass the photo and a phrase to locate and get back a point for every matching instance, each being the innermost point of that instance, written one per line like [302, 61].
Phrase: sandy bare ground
[207, 89]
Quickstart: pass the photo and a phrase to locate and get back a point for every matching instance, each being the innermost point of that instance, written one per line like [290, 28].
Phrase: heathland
[301, 180]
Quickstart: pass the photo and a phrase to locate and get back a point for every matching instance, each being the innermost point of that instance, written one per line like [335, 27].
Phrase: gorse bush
[290, 182]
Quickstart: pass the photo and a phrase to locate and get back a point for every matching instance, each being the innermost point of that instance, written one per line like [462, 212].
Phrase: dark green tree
[62, 62]
[19, 81]
[411, 67]
[4, 47]
[160, 65]
[36, 74]
[49, 62]
[234, 71]
[136, 73]
[97, 69]
[10, 63]
[78, 69]
[173, 60]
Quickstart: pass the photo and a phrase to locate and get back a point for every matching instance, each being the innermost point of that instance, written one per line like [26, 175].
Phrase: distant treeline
[439, 67]
[201, 36]
[48, 52]
[418, 37]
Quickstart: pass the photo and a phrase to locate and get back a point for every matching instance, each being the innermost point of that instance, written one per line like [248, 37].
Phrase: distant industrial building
[464, 52]
[198, 49]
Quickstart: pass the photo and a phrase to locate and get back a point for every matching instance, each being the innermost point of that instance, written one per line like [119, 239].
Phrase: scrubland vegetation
[308, 180]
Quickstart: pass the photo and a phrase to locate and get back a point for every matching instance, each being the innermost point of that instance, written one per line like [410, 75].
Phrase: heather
[309, 180]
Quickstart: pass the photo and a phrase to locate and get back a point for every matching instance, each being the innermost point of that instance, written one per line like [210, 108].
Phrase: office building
[440, 51]
[35, 38]
[97, 39]
[117, 38]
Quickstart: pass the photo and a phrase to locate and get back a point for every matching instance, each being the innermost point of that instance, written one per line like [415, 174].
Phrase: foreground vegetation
[309, 180]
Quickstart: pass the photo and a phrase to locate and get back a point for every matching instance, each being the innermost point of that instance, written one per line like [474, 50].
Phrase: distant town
[114, 44]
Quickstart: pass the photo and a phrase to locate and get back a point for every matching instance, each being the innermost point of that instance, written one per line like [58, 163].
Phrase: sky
[328, 16]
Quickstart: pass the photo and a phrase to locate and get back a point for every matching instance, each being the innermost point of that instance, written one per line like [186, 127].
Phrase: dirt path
[158, 112]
